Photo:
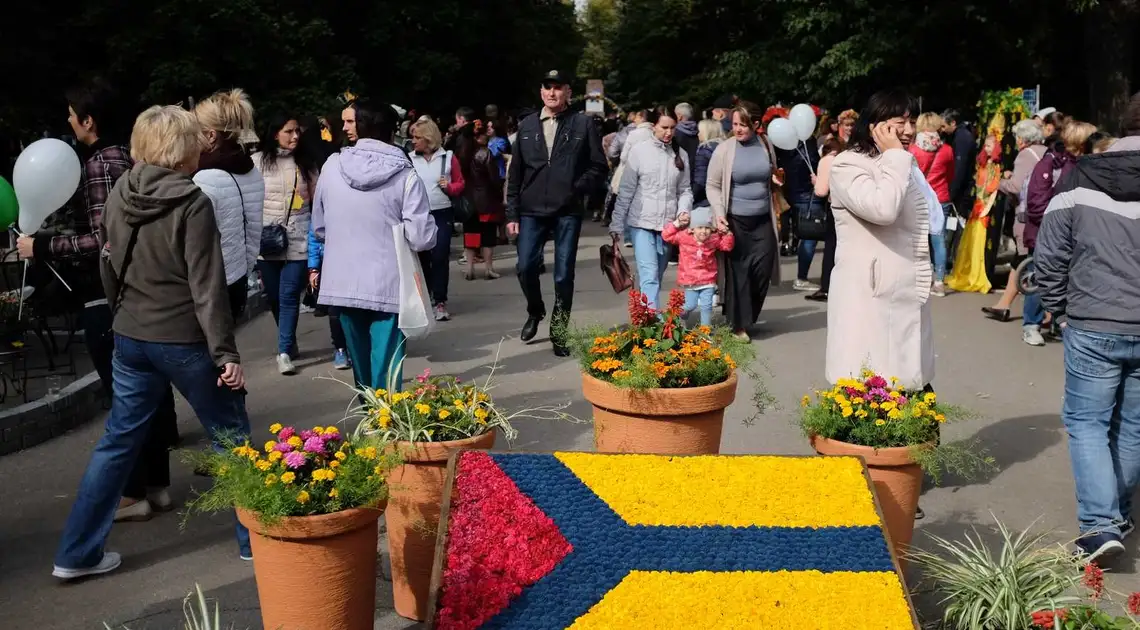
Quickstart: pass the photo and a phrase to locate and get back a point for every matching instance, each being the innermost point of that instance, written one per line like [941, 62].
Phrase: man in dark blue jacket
[557, 161]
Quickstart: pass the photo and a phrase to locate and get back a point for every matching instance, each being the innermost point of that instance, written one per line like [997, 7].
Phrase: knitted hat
[700, 217]
[1132, 117]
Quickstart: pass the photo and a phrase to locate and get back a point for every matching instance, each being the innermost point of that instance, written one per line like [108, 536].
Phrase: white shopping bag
[416, 320]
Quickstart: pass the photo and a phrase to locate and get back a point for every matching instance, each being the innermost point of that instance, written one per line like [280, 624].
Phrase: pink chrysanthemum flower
[315, 445]
[286, 433]
[296, 459]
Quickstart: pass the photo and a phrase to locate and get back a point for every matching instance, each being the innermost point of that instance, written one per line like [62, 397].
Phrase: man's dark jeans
[533, 234]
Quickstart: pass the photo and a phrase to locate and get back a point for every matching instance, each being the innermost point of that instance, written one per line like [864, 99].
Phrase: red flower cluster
[1045, 619]
[640, 314]
[773, 113]
[1094, 579]
[499, 543]
[1134, 604]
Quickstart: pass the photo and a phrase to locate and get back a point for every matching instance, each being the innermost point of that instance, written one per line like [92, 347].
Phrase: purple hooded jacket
[1048, 171]
[362, 192]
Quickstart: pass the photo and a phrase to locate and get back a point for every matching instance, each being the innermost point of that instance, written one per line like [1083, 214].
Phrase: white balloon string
[23, 283]
[802, 147]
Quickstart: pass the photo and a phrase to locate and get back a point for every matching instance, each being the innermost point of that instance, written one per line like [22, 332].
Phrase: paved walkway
[981, 364]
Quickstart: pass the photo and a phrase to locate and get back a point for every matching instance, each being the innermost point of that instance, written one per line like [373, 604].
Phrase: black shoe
[530, 328]
[919, 514]
[999, 314]
[818, 296]
[1095, 546]
[561, 350]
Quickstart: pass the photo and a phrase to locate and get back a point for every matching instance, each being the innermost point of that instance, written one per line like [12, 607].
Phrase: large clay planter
[682, 421]
[415, 493]
[898, 482]
[316, 571]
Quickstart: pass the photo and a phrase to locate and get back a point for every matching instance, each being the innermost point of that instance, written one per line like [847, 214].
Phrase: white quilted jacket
[238, 214]
[278, 193]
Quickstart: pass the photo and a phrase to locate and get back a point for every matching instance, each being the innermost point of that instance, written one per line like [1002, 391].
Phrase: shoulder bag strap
[244, 221]
[292, 197]
[122, 278]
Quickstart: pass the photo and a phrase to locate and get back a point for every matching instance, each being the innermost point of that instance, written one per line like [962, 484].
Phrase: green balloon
[9, 206]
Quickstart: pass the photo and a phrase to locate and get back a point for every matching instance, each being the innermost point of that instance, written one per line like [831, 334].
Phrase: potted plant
[424, 426]
[311, 500]
[657, 386]
[897, 433]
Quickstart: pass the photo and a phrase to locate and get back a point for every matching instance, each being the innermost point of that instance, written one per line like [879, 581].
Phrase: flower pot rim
[886, 456]
[438, 451]
[681, 401]
[314, 526]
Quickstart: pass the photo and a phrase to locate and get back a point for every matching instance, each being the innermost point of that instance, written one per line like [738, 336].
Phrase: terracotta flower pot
[316, 571]
[898, 482]
[415, 493]
[681, 421]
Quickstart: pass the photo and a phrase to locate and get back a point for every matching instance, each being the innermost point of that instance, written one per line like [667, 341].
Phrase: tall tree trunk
[1110, 29]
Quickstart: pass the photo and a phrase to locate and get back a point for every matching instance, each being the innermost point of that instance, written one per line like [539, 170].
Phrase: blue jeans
[652, 257]
[703, 299]
[284, 282]
[1101, 413]
[1032, 313]
[435, 260]
[805, 253]
[376, 347]
[938, 253]
[533, 234]
[143, 372]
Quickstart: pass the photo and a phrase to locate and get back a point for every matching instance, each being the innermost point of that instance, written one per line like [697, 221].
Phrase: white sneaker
[159, 499]
[110, 562]
[938, 289]
[1031, 335]
[285, 365]
[441, 314]
[136, 512]
[306, 309]
[804, 285]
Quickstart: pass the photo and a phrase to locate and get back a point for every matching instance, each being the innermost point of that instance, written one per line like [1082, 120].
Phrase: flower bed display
[592, 540]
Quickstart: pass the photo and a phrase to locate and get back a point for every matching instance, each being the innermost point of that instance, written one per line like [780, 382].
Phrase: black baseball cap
[556, 78]
[726, 101]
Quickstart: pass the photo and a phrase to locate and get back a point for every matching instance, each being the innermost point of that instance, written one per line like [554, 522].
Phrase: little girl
[699, 245]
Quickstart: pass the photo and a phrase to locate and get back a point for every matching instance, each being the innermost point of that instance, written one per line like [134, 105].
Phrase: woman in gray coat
[654, 190]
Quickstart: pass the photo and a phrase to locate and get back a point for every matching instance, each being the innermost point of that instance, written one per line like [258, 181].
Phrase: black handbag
[811, 221]
[274, 237]
[461, 207]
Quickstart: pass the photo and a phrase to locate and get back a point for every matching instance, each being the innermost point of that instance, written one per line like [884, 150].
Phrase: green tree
[598, 25]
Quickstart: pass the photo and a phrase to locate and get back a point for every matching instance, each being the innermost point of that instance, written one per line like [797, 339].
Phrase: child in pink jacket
[699, 246]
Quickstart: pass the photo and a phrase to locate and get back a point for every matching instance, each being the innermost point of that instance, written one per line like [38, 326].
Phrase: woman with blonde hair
[741, 184]
[709, 135]
[234, 185]
[936, 161]
[442, 175]
[165, 277]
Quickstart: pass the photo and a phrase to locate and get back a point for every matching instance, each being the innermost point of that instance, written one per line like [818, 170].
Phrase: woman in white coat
[654, 189]
[878, 313]
[290, 177]
[229, 178]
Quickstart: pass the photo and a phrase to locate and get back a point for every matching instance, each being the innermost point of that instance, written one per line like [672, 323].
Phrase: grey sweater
[751, 173]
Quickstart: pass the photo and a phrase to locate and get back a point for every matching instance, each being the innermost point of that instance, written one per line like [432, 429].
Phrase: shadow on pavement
[1013, 441]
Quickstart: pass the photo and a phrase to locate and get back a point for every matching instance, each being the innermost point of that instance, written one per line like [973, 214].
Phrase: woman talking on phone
[879, 313]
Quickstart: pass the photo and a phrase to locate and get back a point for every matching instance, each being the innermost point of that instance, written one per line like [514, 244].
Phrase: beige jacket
[878, 311]
[278, 194]
[718, 189]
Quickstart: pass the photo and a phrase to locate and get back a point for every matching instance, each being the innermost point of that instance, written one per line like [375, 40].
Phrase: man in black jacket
[962, 187]
[557, 161]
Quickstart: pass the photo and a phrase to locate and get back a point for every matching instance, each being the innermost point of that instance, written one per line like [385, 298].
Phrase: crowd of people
[179, 218]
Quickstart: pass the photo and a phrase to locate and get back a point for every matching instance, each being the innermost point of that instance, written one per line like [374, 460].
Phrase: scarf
[928, 141]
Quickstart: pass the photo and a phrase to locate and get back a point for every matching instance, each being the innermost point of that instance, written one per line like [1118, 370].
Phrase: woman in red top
[936, 161]
[480, 232]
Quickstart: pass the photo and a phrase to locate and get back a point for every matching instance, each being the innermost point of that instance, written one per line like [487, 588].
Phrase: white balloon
[45, 177]
[783, 134]
[803, 119]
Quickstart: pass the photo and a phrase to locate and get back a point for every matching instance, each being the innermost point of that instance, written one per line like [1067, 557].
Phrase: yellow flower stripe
[792, 600]
[729, 491]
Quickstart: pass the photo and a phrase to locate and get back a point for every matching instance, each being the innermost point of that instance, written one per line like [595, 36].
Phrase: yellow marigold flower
[847, 411]
[330, 475]
[367, 453]
[379, 470]
[381, 392]
[334, 464]
[269, 446]
[384, 420]
[880, 422]
[271, 479]
[888, 405]
[637, 350]
[805, 401]
[874, 405]
[444, 414]
[929, 398]
[894, 380]
[288, 477]
[940, 418]
[275, 428]
[333, 493]
[481, 414]
[862, 413]
[423, 409]
[459, 404]
[296, 441]
[482, 397]
[318, 475]
[332, 429]
[894, 414]
[302, 497]
[318, 430]
[893, 395]
[649, 343]
[263, 464]
[275, 456]
[340, 455]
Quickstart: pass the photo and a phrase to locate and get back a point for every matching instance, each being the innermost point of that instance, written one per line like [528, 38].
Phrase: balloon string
[802, 148]
[23, 283]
